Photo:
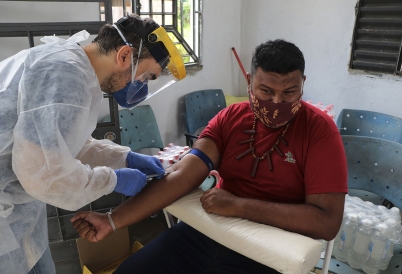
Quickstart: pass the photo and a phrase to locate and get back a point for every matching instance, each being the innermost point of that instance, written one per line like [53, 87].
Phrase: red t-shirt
[314, 160]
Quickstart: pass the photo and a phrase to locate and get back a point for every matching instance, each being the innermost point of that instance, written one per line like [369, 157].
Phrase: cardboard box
[105, 256]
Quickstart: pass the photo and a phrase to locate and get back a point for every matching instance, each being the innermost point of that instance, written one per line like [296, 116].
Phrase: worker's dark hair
[277, 56]
[108, 38]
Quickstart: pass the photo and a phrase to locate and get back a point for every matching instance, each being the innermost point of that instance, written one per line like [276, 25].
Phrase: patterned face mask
[273, 115]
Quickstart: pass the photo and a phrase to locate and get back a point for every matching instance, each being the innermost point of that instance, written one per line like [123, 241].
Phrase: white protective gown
[49, 97]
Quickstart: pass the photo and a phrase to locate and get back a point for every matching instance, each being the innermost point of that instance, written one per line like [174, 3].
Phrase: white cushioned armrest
[281, 250]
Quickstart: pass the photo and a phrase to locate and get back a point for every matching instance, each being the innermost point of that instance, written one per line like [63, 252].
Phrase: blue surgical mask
[138, 88]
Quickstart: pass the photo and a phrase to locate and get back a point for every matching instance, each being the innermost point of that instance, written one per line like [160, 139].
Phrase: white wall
[323, 31]
[221, 32]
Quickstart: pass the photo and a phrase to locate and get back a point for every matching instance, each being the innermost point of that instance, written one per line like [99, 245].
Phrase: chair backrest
[374, 165]
[371, 124]
[202, 106]
[139, 128]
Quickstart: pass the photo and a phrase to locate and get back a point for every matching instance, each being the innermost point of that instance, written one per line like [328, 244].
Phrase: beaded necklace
[267, 154]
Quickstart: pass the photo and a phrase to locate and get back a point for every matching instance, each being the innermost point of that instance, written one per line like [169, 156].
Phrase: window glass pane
[186, 59]
[156, 5]
[184, 22]
[158, 19]
[168, 6]
[188, 22]
[145, 6]
[128, 6]
[195, 33]
[117, 12]
[173, 37]
[181, 49]
[169, 20]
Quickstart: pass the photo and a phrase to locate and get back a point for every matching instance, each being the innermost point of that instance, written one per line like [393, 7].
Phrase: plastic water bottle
[361, 242]
[376, 250]
[330, 111]
[346, 237]
[391, 224]
[395, 212]
[388, 255]
[319, 105]
[171, 154]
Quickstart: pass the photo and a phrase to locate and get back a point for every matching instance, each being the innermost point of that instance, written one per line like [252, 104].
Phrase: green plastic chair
[201, 106]
[139, 128]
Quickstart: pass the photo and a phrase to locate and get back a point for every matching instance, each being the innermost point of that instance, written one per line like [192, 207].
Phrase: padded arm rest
[281, 250]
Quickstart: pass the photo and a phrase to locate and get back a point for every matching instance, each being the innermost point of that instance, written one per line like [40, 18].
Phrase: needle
[151, 176]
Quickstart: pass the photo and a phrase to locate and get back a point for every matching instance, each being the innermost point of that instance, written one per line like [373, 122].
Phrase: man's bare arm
[185, 176]
[319, 218]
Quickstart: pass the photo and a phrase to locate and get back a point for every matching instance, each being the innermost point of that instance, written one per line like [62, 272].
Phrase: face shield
[146, 81]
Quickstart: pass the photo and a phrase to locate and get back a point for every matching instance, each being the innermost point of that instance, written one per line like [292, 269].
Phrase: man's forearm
[305, 219]
[184, 177]
[160, 193]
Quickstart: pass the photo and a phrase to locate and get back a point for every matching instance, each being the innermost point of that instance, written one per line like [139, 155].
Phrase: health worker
[50, 97]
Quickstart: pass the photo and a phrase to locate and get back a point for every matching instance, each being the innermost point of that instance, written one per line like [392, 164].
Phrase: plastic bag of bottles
[378, 214]
[171, 154]
[329, 109]
[367, 235]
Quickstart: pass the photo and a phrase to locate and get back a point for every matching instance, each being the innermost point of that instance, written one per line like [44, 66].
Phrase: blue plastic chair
[371, 124]
[201, 106]
[374, 165]
[139, 128]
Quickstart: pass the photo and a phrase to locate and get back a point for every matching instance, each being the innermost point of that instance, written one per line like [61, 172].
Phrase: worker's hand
[220, 202]
[92, 226]
[145, 163]
[129, 181]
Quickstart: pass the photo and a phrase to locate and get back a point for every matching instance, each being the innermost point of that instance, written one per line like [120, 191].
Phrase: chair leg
[169, 219]
[387, 204]
[327, 259]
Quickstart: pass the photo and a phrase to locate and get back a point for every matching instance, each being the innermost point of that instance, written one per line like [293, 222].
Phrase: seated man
[281, 163]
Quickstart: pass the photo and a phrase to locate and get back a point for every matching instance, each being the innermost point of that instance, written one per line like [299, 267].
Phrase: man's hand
[220, 202]
[92, 226]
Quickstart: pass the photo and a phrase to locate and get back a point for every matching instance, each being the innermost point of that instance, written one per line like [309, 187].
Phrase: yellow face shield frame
[176, 64]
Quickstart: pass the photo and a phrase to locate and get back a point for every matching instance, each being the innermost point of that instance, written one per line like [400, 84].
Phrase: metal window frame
[195, 54]
[375, 67]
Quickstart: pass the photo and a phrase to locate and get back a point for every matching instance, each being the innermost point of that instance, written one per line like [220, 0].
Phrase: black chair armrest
[189, 138]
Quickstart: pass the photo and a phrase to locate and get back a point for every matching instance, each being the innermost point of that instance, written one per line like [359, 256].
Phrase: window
[118, 9]
[182, 20]
[377, 37]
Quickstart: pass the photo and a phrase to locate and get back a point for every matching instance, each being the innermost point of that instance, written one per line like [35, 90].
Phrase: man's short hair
[277, 56]
[109, 40]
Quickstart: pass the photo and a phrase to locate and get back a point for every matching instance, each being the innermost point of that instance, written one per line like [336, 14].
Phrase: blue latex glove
[145, 163]
[129, 181]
